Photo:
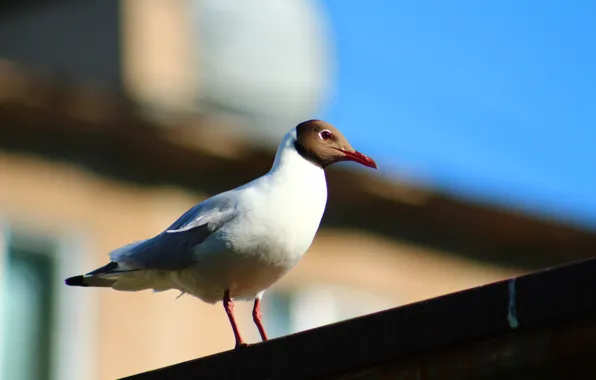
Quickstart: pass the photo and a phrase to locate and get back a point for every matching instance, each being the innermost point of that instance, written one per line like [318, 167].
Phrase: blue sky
[494, 100]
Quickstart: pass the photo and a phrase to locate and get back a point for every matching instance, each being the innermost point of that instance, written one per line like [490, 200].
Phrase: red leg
[257, 317]
[229, 306]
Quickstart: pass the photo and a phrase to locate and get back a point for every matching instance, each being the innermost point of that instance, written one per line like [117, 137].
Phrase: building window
[307, 307]
[29, 269]
[47, 330]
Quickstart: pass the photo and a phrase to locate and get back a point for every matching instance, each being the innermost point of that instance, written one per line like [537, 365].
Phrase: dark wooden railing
[536, 326]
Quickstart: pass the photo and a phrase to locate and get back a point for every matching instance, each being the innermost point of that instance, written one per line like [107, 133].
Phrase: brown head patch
[321, 143]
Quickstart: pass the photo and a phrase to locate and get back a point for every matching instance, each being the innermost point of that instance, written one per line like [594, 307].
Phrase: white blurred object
[267, 60]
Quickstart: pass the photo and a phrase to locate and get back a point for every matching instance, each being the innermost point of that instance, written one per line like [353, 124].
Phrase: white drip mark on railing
[511, 312]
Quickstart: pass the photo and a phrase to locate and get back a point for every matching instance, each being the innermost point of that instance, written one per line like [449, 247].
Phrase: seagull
[234, 245]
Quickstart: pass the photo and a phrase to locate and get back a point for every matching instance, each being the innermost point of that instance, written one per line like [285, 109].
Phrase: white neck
[298, 187]
[295, 192]
[287, 159]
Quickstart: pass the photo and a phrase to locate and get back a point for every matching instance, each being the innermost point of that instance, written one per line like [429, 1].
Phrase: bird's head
[323, 144]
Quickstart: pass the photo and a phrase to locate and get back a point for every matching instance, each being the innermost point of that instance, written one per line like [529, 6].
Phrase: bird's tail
[90, 281]
[98, 278]
[113, 276]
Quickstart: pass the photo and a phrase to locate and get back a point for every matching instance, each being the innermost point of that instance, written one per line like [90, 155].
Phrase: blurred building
[114, 120]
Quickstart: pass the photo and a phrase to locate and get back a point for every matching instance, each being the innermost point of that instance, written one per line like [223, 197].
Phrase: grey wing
[171, 249]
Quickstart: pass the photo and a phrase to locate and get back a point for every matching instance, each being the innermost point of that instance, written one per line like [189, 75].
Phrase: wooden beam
[541, 325]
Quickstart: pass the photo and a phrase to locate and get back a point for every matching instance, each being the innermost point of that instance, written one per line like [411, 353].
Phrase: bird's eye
[325, 135]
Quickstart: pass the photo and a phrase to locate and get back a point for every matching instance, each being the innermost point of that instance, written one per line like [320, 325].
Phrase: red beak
[360, 158]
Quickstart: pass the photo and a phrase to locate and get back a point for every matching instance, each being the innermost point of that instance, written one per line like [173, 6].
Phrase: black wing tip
[111, 266]
[75, 281]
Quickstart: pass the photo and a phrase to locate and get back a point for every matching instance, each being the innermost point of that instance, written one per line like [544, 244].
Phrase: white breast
[285, 207]
[277, 219]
